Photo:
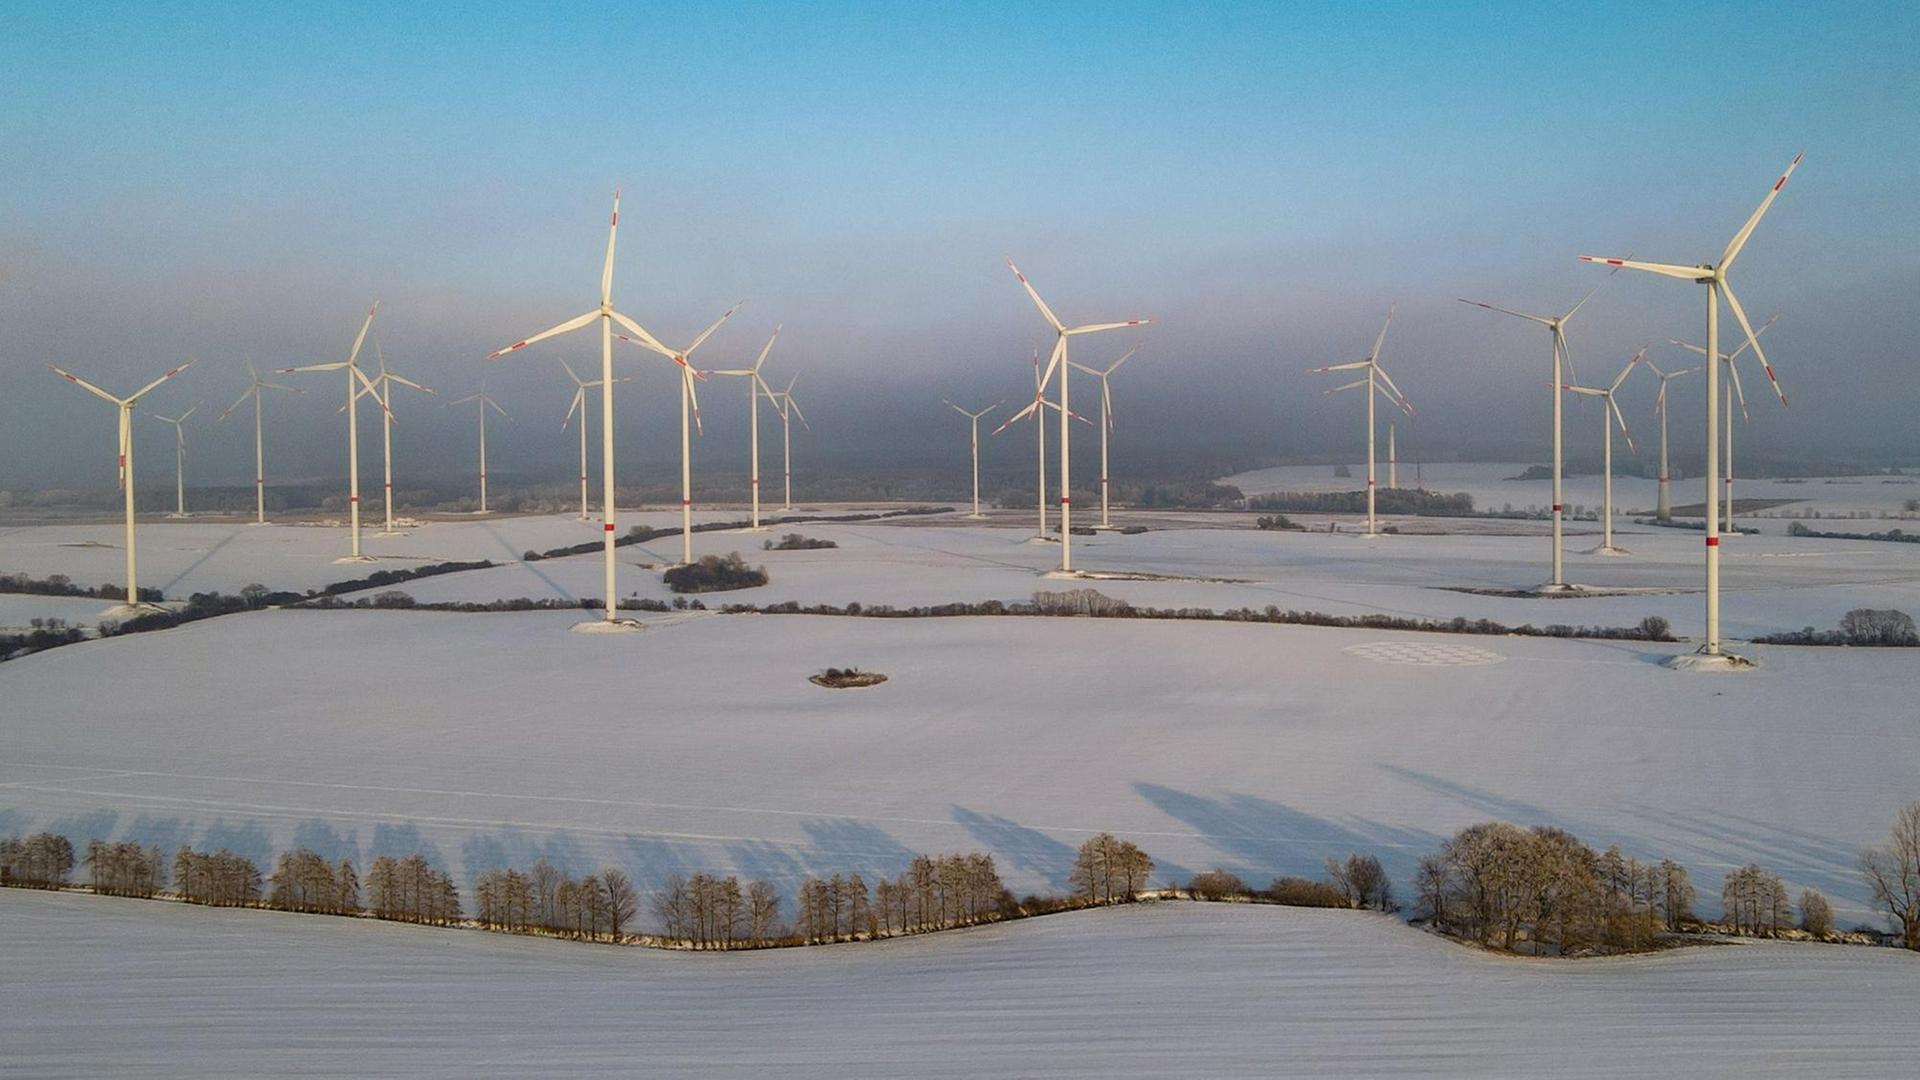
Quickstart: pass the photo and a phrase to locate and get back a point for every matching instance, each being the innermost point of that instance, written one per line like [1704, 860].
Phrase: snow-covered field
[113, 987]
[1771, 582]
[490, 739]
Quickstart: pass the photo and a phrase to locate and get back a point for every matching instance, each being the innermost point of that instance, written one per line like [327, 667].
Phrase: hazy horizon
[1263, 184]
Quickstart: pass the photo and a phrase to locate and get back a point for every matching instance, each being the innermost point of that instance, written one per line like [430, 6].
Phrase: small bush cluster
[796, 542]
[42, 633]
[1542, 891]
[1404, 501]
[847, 678]
[1279, 522]
[715, 573]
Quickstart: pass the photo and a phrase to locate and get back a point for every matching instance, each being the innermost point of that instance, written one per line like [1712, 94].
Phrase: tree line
[1538, 891]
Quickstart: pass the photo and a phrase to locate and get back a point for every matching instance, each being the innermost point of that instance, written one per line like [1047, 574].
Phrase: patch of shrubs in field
[1386, 501]
[1896, 536]
[1861, 626]
[715, 573]
[41, 634]
[796, 542]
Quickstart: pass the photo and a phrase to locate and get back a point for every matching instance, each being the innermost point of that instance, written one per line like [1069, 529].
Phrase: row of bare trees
[125, 868]
[596, 906]
[41, 861]
[706, 911]
[411, 890]
[305, 881]
[220, 878]
[1755, 902]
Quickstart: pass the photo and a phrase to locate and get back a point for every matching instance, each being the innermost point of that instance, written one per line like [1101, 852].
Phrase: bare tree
[1816, 915]
[763, 912]
[623, 902]
[1893, 875]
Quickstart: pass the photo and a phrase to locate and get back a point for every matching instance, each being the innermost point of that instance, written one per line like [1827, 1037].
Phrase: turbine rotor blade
[1740, 313]
[570, 324]
[1685, 273]
[1507, 311]
[1740, 238]
[1045, 311]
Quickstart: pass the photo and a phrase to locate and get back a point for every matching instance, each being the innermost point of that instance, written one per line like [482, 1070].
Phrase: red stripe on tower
[609, 526]
[1713, 541]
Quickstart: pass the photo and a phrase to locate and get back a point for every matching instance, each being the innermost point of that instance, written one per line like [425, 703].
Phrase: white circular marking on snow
[1425, 653]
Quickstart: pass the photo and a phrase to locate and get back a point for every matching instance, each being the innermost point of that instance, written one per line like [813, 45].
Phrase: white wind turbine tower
[607, 317]
[385, 381]
[579, 404]
[486, 403]
[132, 606]
[1735, 395]
[755, 386]
[1059, 360]
[1106, 421]
[1606, 422]
[1562, 355]
[356, 381]
[689, 410]
[789, 408]
[1035, 409]
[259, 456]
[179, 457]
[1393, 461]
[1376, 376]
[1665, 511]
[974, 421]
[1714, 277]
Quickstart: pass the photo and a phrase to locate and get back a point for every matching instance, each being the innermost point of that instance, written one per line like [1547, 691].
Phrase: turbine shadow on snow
[170, 586]
[531, 568]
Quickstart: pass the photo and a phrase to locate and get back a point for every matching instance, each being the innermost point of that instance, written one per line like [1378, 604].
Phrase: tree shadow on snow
[320, 837]
[168, 834]
[512, 848]
[1266, 839]
[1027, 850]
[403, 841]
[85, 827]
[249, 839]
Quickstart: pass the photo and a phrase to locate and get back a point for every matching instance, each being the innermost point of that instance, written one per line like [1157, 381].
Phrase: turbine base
[119, 612]
[349, 560]
[607, 626]
[1710, 663]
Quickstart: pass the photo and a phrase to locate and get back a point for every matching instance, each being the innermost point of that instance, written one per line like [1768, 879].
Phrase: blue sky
[220, 181]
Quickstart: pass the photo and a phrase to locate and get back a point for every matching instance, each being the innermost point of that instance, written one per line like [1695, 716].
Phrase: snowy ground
[114, 987]
[484, 740]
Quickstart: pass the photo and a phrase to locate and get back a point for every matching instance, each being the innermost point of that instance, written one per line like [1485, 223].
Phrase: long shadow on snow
[169, 834]
[1270, 839]
[248, 838]
[1027, 850]
[404, 841]
[511, 848]
[320, 837]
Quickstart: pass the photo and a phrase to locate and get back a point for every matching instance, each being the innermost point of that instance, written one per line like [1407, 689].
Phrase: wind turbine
[1735, 394]
[755, 385]
[689, 408]
[486, 403]
[1393, 461]
[1606, 423]
[385, 381]
[1562, 354]
[1714, 277]
[1376, 375]
[1059, 360]
[788, 407]
[974, 419]
[133, 606]
[1106, 421]
[1665, 511]
[259, 457]
[354, 376]
[1034, 409]
[579, 404]
[607, 316]
[179, 457]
